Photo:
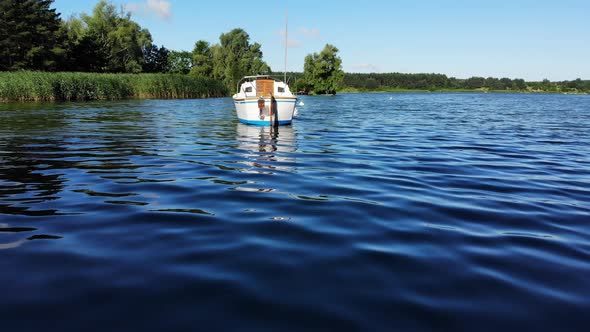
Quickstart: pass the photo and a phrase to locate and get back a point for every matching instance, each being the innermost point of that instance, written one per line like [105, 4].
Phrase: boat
[264, 101]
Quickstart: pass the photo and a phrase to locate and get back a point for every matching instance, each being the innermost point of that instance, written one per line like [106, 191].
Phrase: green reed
[46, 86]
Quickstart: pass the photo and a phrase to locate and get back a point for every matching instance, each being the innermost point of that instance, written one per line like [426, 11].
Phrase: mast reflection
[268, 147]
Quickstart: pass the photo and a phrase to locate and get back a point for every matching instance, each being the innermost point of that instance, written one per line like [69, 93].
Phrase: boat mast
[286, 42]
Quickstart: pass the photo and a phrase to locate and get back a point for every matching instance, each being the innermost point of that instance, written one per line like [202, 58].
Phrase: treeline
[34, 37]
[434, 82]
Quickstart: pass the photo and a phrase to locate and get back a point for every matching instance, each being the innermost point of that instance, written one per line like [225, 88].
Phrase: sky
[530, 39]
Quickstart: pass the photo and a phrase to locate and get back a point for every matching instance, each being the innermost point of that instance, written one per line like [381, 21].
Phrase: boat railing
[254, 77]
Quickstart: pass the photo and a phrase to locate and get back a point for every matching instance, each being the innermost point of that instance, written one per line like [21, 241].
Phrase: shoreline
[55, 101]
[461, 91]
[31, 86]
[53, 87]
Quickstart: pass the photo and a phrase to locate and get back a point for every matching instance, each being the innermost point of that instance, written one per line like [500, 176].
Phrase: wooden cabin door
[265, 88]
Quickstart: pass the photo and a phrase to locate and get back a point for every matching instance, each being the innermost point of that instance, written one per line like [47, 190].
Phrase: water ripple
[371, 212]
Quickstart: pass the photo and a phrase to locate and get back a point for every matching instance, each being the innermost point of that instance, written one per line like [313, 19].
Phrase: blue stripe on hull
[266, 101]
[264, 123]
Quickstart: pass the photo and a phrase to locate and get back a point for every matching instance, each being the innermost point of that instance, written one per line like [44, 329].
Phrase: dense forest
[375, 82]
[34, 37]
[437, 82]
[384, 82]
[109, 46]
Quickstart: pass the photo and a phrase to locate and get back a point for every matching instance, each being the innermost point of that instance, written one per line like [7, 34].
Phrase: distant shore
[396, 90]
[32, 86]
[425, 82]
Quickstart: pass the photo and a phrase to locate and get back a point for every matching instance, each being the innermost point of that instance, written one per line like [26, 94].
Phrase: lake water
[371, 212]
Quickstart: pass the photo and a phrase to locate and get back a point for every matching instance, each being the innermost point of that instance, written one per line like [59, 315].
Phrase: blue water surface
[409, 212]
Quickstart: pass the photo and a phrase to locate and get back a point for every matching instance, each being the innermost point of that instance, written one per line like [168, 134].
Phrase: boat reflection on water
[266, 147]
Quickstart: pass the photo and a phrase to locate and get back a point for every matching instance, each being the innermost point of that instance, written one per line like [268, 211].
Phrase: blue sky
[502, 38]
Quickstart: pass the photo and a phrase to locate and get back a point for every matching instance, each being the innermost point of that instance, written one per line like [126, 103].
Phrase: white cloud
[302, 33]
[161, 8]
[291, 43]
[132, 7]
[366, 67]
[310, 33]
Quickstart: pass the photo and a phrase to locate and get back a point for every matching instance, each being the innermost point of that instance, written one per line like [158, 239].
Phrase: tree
[235, 57]
[180, 62]
[371, 84]
[155, 60]
[506, 82]
[519, 84]
[493, 83]
[30, 35]
[202, 58]
[475, 82]
[323, 72]
[106, 41]
[547, 85]
[576, 84]
[82, 49]
[127, 42]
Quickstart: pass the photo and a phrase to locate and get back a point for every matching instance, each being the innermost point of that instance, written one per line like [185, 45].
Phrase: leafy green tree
[493, 83]
[372, 84]
[106, 41]
[235, 57]
[576, 84]
[83, 50]
[202, 58]
[323, 72]
[127, 42]
[155, 60]
[506, 83]
[453, 83]
[30, 35]
[252, 63]
[519, 84]
[180, 62]
[546, 85]
[475, 82]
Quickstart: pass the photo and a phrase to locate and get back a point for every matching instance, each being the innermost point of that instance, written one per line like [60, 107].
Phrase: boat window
[281, 89]
[248, 89]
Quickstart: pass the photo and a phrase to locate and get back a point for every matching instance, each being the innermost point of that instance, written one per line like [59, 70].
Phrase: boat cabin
[263, 86]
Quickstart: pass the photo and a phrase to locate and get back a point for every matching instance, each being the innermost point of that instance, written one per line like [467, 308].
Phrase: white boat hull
[249, 113]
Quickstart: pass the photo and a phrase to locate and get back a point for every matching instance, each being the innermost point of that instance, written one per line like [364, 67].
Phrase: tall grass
[45, 86]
